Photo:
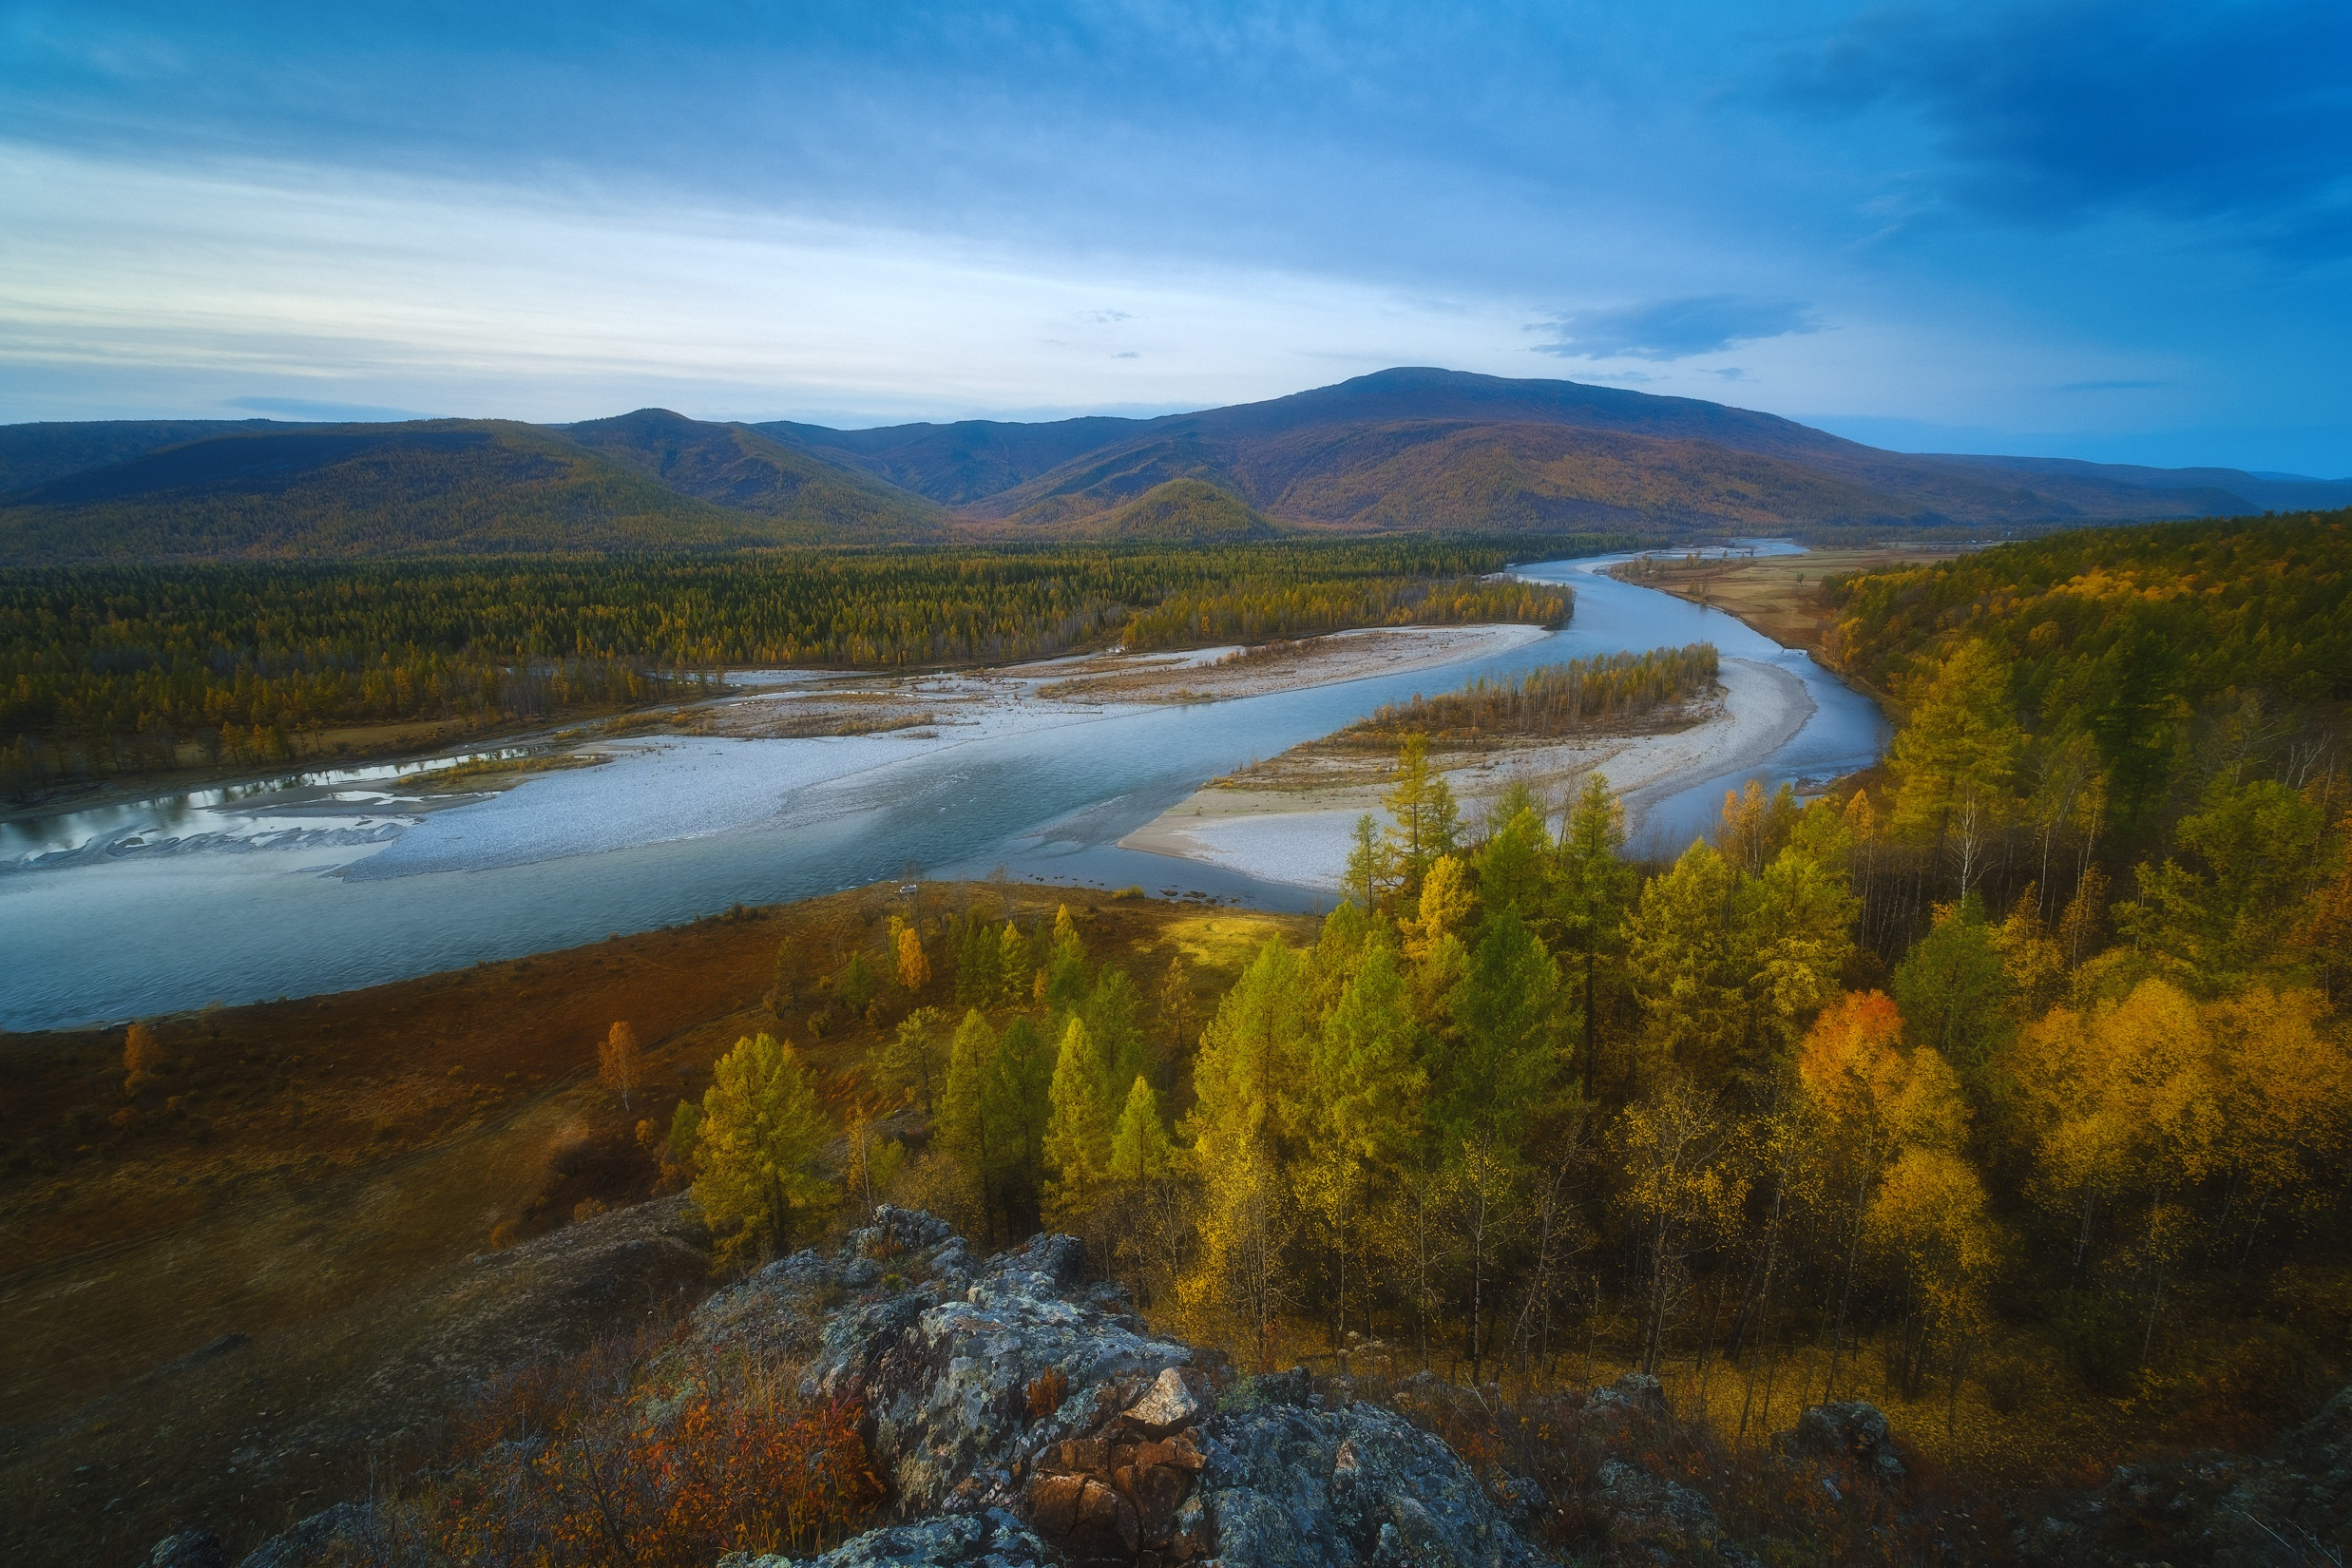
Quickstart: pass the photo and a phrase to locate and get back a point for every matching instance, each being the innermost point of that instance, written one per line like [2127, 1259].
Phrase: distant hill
[1189, 511]
[339, 491]
[1404, 450]
[955, 464]
[739, 467]
[35, 454]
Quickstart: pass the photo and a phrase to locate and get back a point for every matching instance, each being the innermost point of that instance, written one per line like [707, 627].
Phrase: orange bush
[569, 1470]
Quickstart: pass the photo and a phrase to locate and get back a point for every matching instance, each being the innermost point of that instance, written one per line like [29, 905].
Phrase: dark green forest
[109, 669]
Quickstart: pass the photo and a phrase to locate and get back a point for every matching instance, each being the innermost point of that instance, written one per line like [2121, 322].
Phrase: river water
[341, 880]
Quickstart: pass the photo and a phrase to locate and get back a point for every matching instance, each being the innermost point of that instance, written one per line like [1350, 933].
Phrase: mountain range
[1402, 449]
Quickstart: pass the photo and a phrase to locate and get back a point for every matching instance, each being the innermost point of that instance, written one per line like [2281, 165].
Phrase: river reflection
[110, 936]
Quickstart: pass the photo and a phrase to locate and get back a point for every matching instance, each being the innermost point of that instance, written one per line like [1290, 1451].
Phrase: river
[339, 880]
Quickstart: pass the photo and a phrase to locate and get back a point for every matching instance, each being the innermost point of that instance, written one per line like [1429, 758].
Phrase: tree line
[1552, 700]
[112, 669]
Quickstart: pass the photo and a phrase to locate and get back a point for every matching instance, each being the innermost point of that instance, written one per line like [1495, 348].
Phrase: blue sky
[2120, 231]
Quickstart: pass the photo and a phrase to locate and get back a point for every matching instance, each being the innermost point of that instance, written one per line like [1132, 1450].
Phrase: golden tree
[143, 1058]
[758, 1157]
[914, 969]
[618, 1065]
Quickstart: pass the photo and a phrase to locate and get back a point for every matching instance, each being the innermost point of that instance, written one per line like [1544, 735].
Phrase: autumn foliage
[605, 1460]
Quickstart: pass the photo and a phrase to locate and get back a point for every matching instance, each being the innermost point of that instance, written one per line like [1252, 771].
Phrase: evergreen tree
[1594, 888]
[1421, 804]
[1139, 1147]
[972, 1126]
[1013, 966]
[1016, 1095]
[1113, 1011]
[909, 1067]
[1078, 1134]
[758, 1150]
[1954, 759]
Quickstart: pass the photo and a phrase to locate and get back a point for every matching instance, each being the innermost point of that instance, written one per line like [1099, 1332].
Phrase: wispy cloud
[1672, 329]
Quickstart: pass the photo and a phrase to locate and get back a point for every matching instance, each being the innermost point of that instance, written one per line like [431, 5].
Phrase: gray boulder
[189, 1549]
[1286, 1485]
[993, 1539]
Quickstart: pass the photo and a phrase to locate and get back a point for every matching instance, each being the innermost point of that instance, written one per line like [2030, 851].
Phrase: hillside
[35, 454]
[737, 467]
[429, 488]
[1189, 511]
[1399, 451]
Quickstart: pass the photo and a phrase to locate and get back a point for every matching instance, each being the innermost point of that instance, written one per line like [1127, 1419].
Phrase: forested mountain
[738, 466]
[1399, 451]
[35, 454]
[427, 487]
[956, 464]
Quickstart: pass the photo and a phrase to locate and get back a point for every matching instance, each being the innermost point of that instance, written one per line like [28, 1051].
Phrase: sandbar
[1292, 821]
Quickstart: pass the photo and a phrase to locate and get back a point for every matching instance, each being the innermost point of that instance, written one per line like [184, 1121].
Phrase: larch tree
[618, 1063]
[759, 1149]
[1364, 1108]
[914, 967]
[909, 1067]
[1798, 915]
[982, 1143]
[1012, 965]
[1595, 889]
[1690, 975]
[1371, 872]
[1421, 804]
[1175, 1005]
[1494, 1083]
[1245, 1080]
[1447, 903]
[1077, 1132]
[1139, 1146]
[1954, 759]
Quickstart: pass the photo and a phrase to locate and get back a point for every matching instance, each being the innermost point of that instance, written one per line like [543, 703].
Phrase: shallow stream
[332, 880]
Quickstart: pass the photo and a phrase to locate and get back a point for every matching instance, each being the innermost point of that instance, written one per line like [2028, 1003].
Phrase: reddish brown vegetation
[574, 1463]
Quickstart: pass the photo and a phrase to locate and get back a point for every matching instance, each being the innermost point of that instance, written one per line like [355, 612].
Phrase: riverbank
[1290, 820]
[1777, 595]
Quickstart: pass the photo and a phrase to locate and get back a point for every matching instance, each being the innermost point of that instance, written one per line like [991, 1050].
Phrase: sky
[2094, 228]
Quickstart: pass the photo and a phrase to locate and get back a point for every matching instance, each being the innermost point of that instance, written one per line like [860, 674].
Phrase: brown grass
[1778, 595]
[314, 1175]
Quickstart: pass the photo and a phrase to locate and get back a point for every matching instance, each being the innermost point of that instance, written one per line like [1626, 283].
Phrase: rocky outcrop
[1024, 1417]
[1045, 1423]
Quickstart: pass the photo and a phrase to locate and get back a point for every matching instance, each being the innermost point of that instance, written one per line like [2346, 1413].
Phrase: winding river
[340, 880]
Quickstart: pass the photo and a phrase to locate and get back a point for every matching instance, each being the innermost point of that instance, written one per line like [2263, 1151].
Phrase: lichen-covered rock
[1288, 1484]
[348, 1531]
[991, 1540]
[189, 1549]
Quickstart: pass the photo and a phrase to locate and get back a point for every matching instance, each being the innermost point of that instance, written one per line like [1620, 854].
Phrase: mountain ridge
[1412, 449]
